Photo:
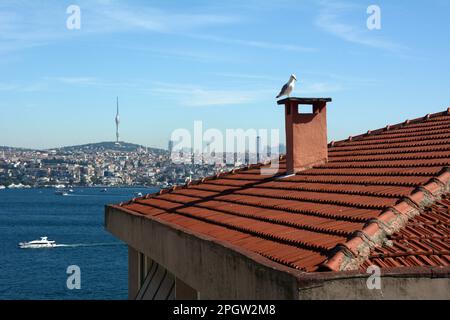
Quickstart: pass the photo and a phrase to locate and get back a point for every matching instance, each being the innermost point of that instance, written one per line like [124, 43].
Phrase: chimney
[306, 133]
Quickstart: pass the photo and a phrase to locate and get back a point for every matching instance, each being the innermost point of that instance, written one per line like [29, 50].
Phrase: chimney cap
[304, 100]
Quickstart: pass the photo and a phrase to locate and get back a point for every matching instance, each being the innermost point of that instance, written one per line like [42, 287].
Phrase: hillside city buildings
[102, 164]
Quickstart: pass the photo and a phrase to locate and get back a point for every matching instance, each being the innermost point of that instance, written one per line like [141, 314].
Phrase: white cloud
[76, 80]
[305, 84]
[25, 25]
[123, 17]
[200, 96]
[35, 87]
[30, 24]
[319, 88]
[14, 87]
[197, 96]
[7, 87]
[184, 54]
[204, 97]
[245, 76]
[330, 19]
[89, 81]
[47, 83]
[253, 43]
[346, 79]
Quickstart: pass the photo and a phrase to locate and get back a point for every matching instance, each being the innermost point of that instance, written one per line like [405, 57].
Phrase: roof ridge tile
[375, 234]
[413, 121]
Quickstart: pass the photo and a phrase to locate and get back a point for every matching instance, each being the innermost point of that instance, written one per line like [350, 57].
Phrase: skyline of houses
[109, 164]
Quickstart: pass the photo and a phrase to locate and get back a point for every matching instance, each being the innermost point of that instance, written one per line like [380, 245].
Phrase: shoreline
[86, 187]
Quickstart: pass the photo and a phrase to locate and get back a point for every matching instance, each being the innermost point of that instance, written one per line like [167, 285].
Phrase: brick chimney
[306, 133]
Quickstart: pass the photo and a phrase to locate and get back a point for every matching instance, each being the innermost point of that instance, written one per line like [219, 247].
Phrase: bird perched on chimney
[288, 87]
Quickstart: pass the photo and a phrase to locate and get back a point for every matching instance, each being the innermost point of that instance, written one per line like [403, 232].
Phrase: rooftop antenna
[258, 139]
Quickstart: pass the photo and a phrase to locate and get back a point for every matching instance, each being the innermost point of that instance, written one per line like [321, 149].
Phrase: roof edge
[351, 254]
[248, 254]
[306, 280]
[391, 127]
[281, 157]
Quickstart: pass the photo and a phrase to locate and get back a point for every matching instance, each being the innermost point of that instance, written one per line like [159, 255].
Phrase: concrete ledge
[307, 279]
[397, 283]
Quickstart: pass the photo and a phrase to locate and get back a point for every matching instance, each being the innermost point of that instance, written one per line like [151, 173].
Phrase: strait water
[77, 221]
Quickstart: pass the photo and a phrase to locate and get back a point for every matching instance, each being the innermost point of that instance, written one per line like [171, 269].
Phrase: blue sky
[222, 62]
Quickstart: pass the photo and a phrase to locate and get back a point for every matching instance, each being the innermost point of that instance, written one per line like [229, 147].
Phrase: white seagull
[288, 87]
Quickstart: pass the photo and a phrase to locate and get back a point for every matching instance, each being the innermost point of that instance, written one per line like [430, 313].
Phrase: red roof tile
[425, 241]
[334, 216]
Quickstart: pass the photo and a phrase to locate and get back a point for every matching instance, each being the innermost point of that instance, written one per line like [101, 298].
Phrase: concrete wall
[393, 288]
[184, 292]
[215, 271]
[147, 280]
[158, 283]
[133, 273]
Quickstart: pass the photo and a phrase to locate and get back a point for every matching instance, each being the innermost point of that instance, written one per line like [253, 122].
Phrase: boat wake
[45, 243]
[37, 244]
[88, 245]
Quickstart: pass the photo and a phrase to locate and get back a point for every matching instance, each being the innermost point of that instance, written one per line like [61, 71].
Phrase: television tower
[117, 122]
[258, 142]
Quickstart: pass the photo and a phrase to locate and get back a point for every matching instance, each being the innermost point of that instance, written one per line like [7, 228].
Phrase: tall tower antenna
[117, 122]
[258, 157]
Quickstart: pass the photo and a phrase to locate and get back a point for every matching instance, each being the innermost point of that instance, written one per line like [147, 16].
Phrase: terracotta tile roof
[330, 217]
[425, 241]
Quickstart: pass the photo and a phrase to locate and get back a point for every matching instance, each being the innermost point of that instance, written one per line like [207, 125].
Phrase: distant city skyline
[172, 63]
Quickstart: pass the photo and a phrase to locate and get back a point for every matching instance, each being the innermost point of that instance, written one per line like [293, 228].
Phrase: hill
[92, 147]
[110, 146]
[9, 149]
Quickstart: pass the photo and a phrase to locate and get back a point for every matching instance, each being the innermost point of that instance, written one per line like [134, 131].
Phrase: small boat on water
[37, 244]
[138, 194]
[61, 193]
[104, 190]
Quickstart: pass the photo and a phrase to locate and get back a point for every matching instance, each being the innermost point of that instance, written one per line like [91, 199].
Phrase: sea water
[75, 221]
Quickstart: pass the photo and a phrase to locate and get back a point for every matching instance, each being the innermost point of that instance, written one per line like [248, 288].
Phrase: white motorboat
[37, 244]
